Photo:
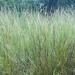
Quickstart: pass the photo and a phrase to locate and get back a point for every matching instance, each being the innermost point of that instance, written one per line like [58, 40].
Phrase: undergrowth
[33, 44]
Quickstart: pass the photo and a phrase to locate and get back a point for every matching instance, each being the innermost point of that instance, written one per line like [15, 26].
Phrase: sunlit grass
[33, 44]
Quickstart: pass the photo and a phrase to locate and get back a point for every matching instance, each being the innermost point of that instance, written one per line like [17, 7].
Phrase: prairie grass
[33, 44]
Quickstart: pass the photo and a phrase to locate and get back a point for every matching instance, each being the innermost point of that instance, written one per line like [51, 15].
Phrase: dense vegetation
[36, 45]
[21, 5]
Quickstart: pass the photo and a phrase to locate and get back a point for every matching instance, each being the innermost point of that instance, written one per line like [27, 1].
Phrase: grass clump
[31, 44]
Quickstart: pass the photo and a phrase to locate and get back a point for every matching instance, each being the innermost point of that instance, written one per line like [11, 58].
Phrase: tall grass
[31, 44]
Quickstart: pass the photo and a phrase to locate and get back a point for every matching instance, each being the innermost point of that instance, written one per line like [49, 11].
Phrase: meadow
[33, 44]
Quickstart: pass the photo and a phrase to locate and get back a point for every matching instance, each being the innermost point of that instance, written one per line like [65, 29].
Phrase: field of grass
[33, 44]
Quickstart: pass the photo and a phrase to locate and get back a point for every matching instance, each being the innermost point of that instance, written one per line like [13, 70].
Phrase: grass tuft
[31, 44]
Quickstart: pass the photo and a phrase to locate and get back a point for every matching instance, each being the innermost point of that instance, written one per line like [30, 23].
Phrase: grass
[33, 44]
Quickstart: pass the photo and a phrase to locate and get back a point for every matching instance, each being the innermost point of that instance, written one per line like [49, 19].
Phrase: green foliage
[36, 45]
[35, 4]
